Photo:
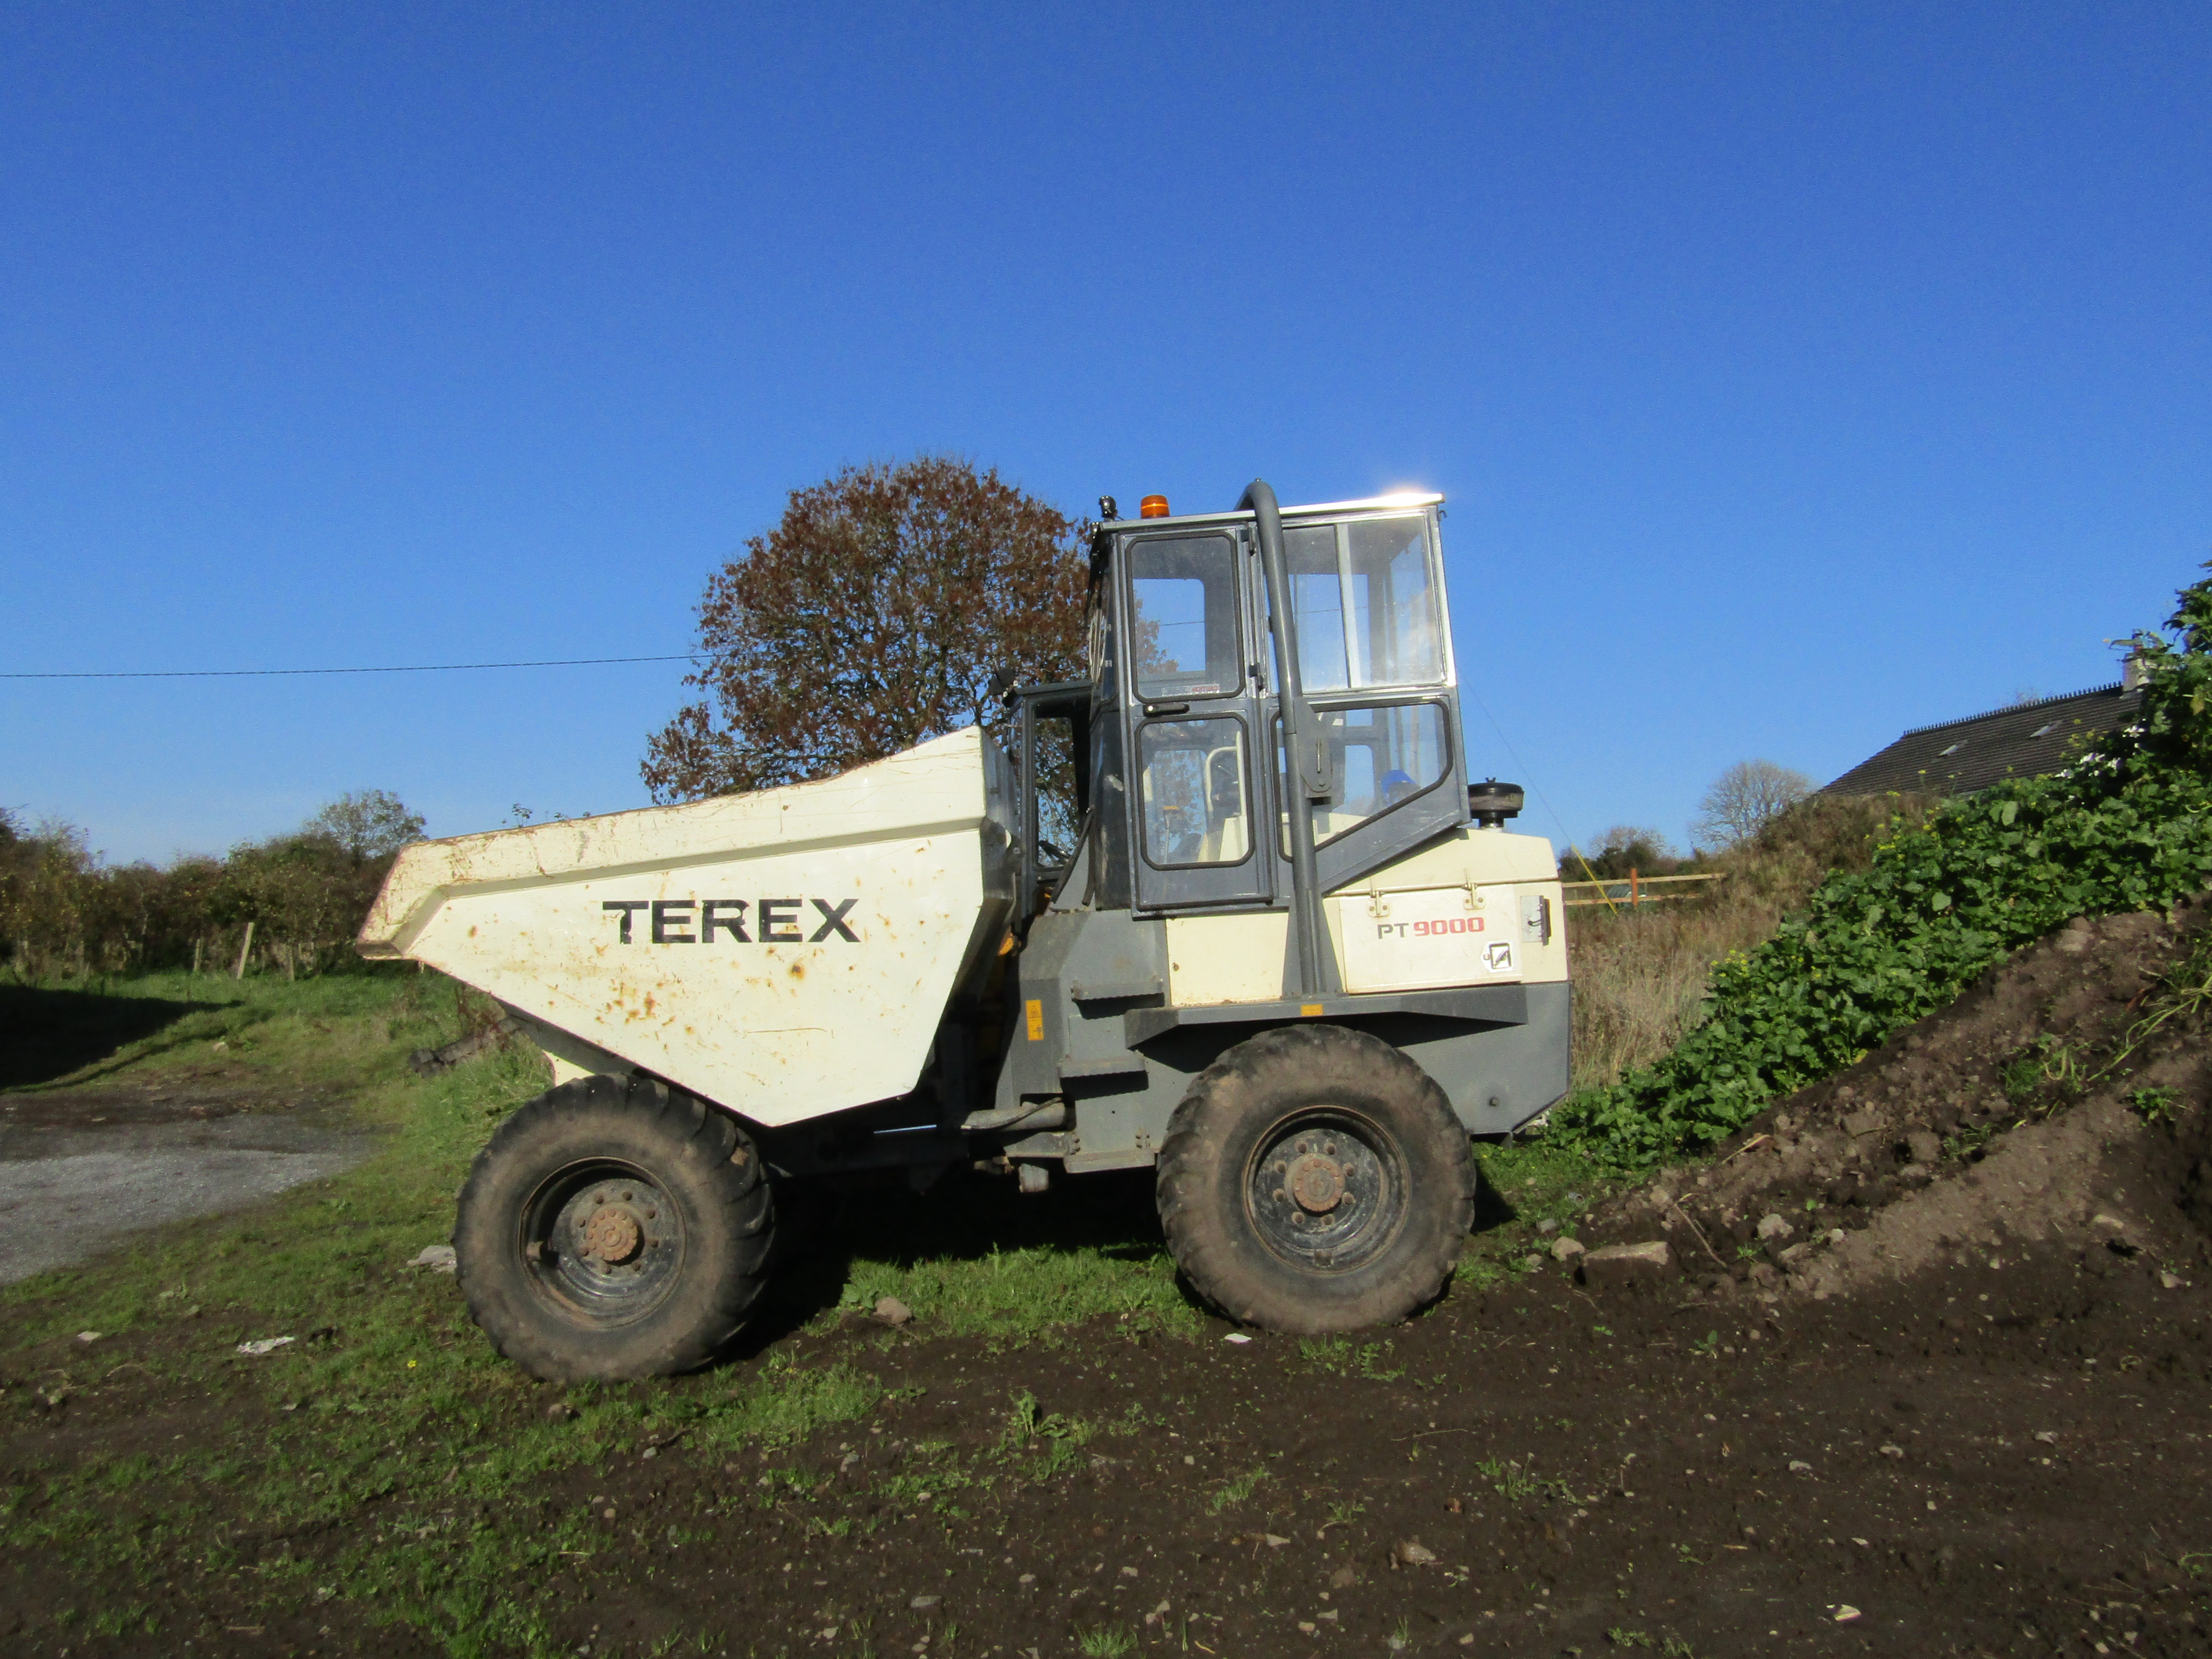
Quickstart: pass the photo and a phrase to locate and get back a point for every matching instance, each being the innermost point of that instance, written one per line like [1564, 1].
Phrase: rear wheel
[1315, 1180]
[614, 1228]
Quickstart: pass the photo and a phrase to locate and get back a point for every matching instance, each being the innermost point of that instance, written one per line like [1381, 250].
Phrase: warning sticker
[1497, 956]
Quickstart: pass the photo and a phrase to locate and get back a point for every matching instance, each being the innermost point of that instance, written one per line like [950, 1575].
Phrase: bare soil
[1975, 1425]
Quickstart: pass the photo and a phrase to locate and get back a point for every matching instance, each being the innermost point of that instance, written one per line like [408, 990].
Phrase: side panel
[1232, 958]
[788, 954]
[780, 1019]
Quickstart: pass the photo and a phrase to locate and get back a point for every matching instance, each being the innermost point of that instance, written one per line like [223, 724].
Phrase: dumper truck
[1227, 908]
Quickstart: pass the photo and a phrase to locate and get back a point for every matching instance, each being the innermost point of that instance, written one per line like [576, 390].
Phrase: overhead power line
[252, 673]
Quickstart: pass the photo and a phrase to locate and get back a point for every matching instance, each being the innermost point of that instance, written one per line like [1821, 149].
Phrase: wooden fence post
[244, 949]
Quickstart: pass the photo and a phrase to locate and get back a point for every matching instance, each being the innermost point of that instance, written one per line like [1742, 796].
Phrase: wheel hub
[1317, 1181]
[1326, 1190]
[605, 1239]
[612, 1234]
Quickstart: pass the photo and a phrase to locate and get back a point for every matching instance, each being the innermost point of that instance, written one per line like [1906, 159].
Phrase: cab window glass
[1394, 637]
[1378, 759]
[1184, 636]
[1192, 777]
[1365, 600]
[1317, 604]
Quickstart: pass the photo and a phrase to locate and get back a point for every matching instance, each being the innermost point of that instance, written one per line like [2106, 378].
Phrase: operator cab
[1185, 787]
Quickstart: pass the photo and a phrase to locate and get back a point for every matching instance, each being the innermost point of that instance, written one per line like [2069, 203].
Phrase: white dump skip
[787, 954]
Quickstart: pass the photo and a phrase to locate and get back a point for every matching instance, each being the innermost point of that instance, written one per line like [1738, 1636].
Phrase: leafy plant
[2155, 1104]
[1105, 1642]
[2125, 826]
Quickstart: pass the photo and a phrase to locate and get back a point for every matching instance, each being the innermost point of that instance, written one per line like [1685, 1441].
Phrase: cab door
[1198, 825]
[1375, 659]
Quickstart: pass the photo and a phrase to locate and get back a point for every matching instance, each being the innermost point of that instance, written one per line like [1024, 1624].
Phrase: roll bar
[1305, 739]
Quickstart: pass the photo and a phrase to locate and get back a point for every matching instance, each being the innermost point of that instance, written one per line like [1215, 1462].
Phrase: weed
[1237, 1490]
[1965, 1141]
[1629, 1639]
[1338, 1357]
[1709, 1347]
[2154, 1104]
[1105, 1642]
[1517, 1485]
[1601, 1330]
[1676, 1648]
[1343, 1515]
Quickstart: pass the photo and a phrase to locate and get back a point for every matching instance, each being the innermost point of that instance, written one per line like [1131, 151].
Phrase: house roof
[1958, 758]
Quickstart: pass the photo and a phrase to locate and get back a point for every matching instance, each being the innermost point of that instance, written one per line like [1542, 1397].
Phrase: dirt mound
[2056, 1114]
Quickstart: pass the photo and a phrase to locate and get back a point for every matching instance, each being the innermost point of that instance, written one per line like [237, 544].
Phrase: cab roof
[1245, 515]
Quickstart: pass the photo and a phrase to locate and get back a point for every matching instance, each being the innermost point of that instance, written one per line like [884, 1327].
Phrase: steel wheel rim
[604, 1241]
[1325, 1190]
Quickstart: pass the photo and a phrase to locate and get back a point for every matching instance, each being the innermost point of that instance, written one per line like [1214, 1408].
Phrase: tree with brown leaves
[872, 618]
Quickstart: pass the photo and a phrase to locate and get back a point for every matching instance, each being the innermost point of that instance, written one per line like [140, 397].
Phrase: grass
[389, 1426]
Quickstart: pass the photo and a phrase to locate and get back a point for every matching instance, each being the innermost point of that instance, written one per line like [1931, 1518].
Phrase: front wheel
[613, 1228]
[1315, 1180]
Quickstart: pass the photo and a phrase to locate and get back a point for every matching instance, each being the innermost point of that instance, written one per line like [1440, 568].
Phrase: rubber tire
[699, 1156]
[1227, 1117]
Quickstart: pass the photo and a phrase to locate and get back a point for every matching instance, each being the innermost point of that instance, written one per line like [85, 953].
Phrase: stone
[1411, 1553]
[1860, 1123]
[1922, 1147]
[560, 1412]
[438, 1258]
[2111, 1223]
[1628, 1264]
[1772, 1226]
[892, 1311]
[1794, 1258]
[1661, 1198]
[1533, 1260]
[1837, 1235]
[89, 1336]
[2048, 1436]
[1343, 1578]
[1799, 1465]
[1566, 1249]
[1270, 1540]
[1547, 1227]
[2169, 1281]
[924, 1604]
[1892, 1451]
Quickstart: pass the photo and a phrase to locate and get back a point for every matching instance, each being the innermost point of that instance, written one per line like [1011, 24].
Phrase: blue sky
[1797, 373]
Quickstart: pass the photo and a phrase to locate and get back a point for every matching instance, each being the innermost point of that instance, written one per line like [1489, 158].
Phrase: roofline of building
[2011, 708]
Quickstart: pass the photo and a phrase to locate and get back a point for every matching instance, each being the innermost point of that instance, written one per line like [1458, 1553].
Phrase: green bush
[2127, 826]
